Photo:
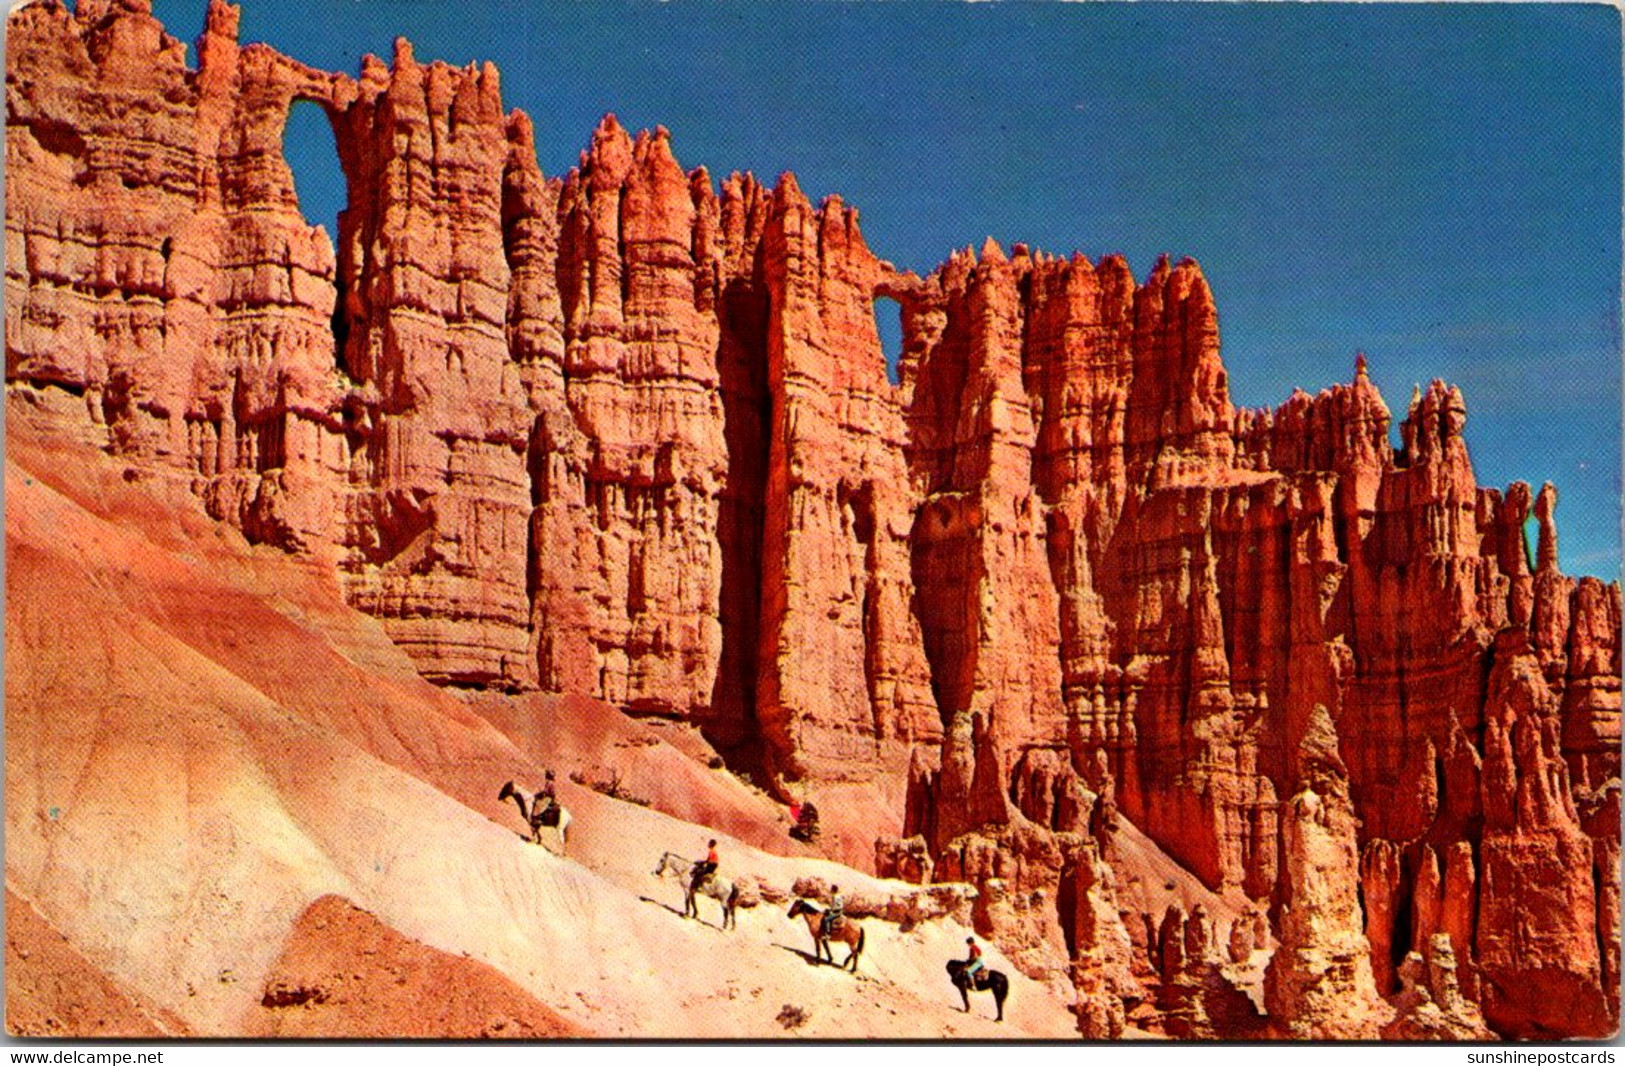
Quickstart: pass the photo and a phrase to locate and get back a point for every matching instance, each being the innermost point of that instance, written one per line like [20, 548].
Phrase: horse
[997, 983]
[527, 802]
[720, 889]
[849, 932]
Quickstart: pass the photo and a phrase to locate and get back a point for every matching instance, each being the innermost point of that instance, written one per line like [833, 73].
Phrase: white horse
[720, 889]
[527, 806]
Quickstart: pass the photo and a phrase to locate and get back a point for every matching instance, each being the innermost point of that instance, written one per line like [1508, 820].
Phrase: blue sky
[1436, 184]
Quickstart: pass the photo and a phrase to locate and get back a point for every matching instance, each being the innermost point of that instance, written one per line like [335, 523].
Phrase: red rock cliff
[630, 434]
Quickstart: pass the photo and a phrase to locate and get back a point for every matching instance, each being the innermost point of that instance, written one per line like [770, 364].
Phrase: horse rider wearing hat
[543, 809]
[836, 912]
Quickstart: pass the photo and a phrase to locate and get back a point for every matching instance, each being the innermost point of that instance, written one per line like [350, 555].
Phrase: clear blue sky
[1437, 184]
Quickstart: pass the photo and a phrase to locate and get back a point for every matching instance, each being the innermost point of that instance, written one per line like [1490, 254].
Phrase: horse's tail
[863, 935]
[507, 790]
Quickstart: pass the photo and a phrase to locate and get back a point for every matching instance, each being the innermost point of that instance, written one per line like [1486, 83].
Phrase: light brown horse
[849, 932]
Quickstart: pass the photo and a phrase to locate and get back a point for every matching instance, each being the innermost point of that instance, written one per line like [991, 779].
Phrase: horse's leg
[964, 997]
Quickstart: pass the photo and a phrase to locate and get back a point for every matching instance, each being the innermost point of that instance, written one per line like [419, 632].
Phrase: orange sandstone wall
[626, 433]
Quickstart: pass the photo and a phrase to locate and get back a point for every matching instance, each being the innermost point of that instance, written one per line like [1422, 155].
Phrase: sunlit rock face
[629, 433]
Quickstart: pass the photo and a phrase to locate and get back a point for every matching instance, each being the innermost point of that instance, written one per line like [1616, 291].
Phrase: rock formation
[628, 434]
[1431, 1006]
[1320, 983]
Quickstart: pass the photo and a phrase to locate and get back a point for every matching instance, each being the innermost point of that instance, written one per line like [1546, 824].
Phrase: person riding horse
[975, 965]
[974, 974]
[704, 868]
[544, 810]
[836, 912]
[804, 819]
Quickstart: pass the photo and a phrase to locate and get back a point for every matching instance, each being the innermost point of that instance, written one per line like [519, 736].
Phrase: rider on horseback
[544, 809]
[805, 819]
[975, 965]
[704, 868]
[835, 914]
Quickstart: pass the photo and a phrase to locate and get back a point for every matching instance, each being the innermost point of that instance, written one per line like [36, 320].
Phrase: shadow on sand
[678, 912]
[812, 959]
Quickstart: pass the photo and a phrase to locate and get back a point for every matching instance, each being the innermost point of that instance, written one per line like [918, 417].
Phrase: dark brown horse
[849, 932]
[994, 981]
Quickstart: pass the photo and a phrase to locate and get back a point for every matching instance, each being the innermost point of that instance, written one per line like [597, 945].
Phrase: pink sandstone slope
[1236, 723]
[204, 742]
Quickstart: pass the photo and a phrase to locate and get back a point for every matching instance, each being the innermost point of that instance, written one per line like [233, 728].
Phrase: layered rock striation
[629, 433]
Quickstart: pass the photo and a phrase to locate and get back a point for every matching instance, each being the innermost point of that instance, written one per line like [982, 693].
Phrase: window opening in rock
[889, 322]
[313, 156]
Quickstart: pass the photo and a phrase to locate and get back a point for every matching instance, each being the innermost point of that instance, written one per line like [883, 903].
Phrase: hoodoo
[1241, 723]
